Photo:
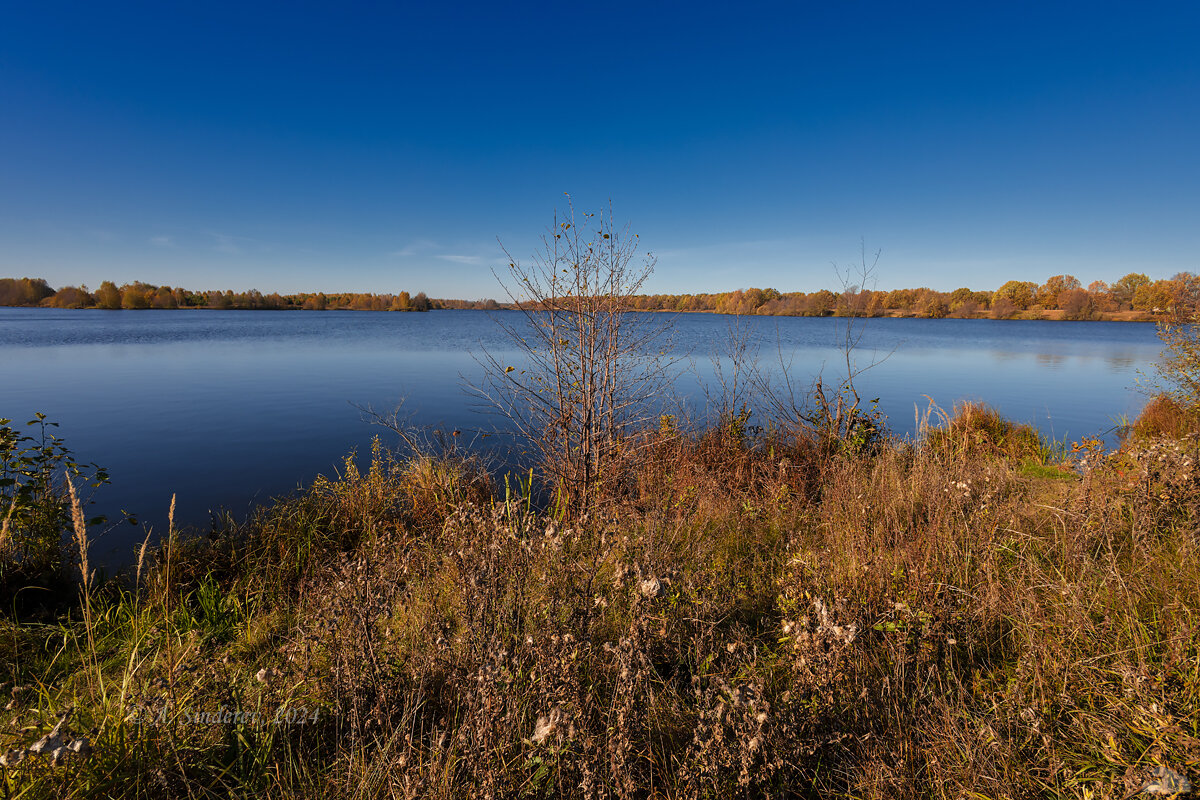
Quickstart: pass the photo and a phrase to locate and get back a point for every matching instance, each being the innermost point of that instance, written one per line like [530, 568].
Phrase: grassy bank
[970, 614]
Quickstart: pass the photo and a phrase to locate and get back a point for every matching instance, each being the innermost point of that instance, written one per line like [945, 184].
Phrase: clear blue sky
[303, 146]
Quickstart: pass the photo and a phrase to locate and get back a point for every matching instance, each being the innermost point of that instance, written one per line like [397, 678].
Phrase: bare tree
[587, 372]
[732, 393]
[830, 413]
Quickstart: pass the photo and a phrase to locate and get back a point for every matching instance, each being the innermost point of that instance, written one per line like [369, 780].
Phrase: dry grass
[742, 618]
[974, 430]
[1166, 416]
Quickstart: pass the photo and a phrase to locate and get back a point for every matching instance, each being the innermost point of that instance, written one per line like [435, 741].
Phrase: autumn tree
[24, 292]
[820, 303]
[958, 296]
[71, 297]
[402, 302]
[899, 299]
[1020, 293]
[108, 295]
[136, 295]
[1186, 300]
[934, 307]
[730, 302]
[164, 297]
[1124, 290]
[929, 303]
[1047, 295]
[1075, 303]
[857, 302]
[1156, 296]
[317, 302]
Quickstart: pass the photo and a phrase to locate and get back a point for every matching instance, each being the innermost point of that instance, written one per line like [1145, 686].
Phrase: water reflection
[1050, 360]
[1120, 363]
[1125, 361]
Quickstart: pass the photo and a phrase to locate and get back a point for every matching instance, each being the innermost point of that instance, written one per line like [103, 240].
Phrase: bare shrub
[1076, 304]
[1004, 308]
[830, 413]
[588, 370]
[1178, 365]
[967, 309]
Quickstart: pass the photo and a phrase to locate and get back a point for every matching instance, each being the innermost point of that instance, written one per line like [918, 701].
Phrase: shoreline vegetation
[779, 598]
[1133, 298]
[972, 611]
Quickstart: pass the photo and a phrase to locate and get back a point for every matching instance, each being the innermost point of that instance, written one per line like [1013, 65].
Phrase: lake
[229, 408]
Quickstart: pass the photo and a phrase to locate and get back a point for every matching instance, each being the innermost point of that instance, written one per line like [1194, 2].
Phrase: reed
[80, 532]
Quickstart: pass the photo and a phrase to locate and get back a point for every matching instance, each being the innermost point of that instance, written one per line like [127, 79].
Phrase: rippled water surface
[228, 408]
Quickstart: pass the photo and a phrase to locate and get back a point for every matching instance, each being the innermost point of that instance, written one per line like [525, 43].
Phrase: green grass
[1035, 469]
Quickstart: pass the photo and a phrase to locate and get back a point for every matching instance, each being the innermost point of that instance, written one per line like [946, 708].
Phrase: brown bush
[974, 430]
[1004, 308]
[1166, 416]
[1076, 304]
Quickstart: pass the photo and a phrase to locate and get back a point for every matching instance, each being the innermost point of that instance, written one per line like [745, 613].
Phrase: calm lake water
[229, 408]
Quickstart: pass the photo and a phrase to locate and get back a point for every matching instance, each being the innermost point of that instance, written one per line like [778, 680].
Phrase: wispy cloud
[226, 244]
[468, 253]
[161, 241]
[458, 259]
[229, 244]
[414, 248]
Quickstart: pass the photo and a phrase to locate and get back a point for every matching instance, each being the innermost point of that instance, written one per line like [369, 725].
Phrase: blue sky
[379, 147]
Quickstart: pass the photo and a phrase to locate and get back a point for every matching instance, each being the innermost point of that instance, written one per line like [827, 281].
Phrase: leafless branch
[587, 369]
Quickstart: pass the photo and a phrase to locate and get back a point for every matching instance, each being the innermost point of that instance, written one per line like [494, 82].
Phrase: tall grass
[742, 616]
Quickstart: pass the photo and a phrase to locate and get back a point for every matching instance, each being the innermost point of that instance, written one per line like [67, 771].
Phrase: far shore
[1054, 315]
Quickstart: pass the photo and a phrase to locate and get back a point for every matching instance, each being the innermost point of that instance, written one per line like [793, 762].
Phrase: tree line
[136, 295]
[1061, 296]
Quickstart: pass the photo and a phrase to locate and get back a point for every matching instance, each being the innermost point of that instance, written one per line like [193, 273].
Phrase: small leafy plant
[35, 509]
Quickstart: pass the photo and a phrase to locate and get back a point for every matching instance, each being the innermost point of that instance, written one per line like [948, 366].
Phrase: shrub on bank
[1163, 415]
[974, 430]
